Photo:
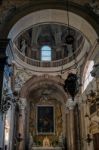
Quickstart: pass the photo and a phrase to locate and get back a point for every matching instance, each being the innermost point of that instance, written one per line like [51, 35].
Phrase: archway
[45, 13]
[33, 6]
[46, 94]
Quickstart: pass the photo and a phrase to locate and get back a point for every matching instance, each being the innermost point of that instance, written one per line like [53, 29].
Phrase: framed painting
[45, 119]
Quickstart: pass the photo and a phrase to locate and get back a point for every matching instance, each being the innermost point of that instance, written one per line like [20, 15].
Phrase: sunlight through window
[45, 53]
[88, 77]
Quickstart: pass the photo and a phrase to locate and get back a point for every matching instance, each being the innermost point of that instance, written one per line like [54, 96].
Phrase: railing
[55, 63]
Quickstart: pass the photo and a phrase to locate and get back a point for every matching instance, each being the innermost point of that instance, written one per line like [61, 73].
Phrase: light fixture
[88, 139]
[69, 38]
[71, 83]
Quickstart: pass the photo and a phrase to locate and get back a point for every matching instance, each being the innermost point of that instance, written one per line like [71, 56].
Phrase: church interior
[49, 75]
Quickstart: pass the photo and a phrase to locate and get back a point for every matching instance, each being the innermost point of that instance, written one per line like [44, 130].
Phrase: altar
[46, 148]
[45, 136]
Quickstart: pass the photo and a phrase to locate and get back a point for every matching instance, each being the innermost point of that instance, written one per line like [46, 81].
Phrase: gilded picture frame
[45, 119]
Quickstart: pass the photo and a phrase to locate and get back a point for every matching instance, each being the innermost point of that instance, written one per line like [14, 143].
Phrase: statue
[23, 46]
[46, 142]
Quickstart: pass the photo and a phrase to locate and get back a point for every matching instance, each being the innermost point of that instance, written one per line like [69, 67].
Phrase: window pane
[46, 59]
[46, 53]
[88, 77]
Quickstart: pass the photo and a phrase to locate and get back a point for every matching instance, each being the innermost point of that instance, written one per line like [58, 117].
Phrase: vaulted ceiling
[11, 10]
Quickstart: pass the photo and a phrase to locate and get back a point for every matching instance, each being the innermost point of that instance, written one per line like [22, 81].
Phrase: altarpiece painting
[45, 119]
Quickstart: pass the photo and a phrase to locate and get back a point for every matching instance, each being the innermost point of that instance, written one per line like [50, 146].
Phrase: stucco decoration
[94, 127]
[21, 76]
[94, 6]
[70, 104]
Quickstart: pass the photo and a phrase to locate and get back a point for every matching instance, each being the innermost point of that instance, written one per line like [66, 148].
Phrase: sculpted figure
[23, 46]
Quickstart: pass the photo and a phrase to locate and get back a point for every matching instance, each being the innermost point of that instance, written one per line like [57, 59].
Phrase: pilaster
[3, 45]
[71, 130]
[22, 121]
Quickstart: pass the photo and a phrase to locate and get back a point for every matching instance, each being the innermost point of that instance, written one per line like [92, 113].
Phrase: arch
[32, 6]
[53, 15]
[33, 83]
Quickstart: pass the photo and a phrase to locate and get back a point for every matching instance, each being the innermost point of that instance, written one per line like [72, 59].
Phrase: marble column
[83, 127]
[12, 116]
[78, 125]
[1, 131]
[68, 129]
[71, 130]
[3, 45]
[22, 122]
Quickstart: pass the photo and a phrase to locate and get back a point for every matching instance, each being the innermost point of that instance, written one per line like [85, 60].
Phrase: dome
[52, 36]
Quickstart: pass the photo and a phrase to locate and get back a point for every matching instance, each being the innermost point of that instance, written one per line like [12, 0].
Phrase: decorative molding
[21, 76]
[95, 71]
[94, 6]
[70, 104]
[94, 127]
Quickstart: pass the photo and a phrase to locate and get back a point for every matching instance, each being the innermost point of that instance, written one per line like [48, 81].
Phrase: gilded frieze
[94, 127]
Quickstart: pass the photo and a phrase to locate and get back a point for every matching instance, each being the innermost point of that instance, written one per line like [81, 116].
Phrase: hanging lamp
[71, 85]
[69, 38]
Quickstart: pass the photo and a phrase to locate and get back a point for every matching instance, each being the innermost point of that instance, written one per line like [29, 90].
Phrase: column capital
[70, 104]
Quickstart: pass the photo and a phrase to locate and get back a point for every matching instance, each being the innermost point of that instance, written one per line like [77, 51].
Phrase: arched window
[88, 78]
[45, 53]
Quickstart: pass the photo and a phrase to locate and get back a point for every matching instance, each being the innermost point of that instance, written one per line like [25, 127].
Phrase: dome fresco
[52, 35]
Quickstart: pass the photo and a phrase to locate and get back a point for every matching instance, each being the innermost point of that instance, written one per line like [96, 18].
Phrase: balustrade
[55, 63]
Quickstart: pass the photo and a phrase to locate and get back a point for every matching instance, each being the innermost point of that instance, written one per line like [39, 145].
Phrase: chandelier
[71, 85]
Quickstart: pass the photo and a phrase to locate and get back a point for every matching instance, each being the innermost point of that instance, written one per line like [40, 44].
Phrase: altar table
[46, 148]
